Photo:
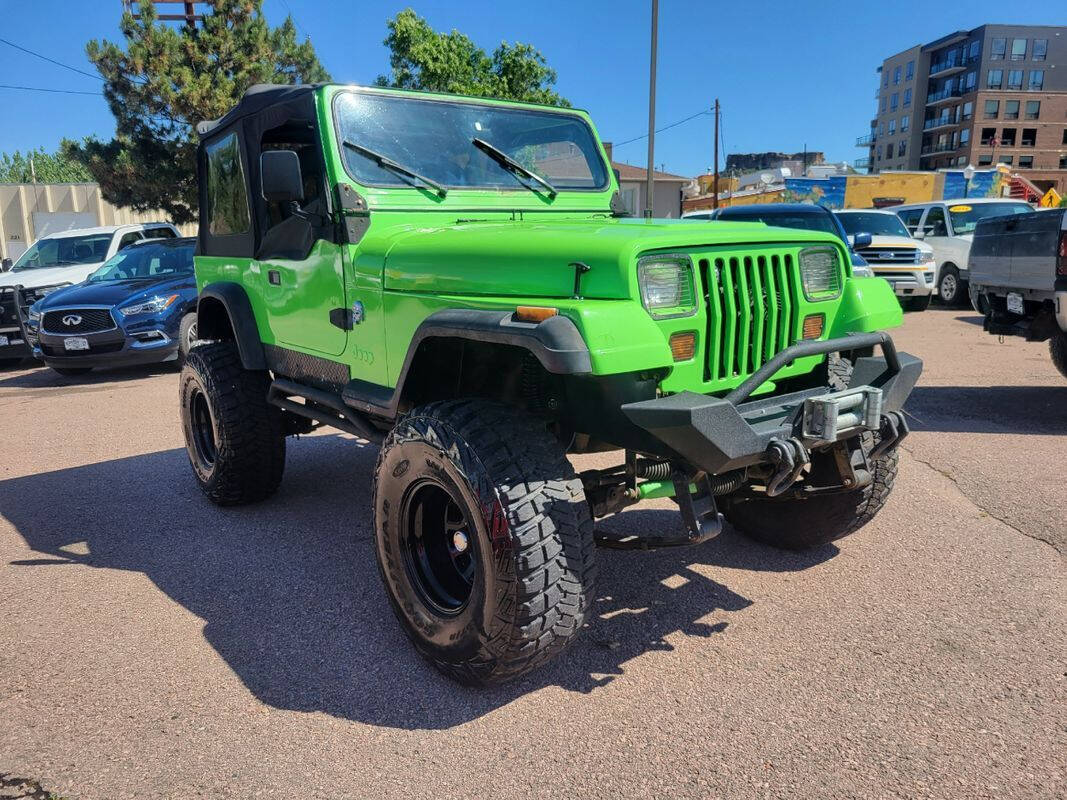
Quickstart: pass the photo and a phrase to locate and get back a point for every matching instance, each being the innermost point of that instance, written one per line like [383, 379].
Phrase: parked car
[1018, 268]
[893, 254]
[947, 226]
[802, 216]
[138, 308]
[54, 261]
[471, 301]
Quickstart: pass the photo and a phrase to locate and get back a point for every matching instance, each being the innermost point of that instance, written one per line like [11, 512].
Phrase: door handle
[274, 278]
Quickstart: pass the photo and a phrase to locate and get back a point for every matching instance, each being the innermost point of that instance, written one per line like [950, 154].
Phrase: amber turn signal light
[683, 345]
[813, 325]
[534, 313]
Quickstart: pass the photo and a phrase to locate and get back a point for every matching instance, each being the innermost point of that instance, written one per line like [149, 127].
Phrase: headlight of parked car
[35, 314]
[862, 271]
[152, 305]
[820, 272]
[666, 284]
[926, 259]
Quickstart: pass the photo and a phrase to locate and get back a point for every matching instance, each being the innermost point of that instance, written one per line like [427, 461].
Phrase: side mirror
[279, 175]
[862, 240]
[5, 265]
[918, 233]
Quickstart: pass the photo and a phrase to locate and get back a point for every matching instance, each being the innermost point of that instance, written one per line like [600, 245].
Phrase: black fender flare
[238, 307]
[556, 342]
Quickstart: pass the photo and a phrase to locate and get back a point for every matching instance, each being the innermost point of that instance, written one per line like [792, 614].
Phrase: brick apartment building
[994, 94]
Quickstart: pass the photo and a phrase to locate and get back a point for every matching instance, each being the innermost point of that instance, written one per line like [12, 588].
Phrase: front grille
[88, 320]
[890, 255]
[751, 304]
[8, 307]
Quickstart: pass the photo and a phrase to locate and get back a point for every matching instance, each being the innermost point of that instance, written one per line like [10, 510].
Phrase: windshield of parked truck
[145, 262]
[964, 217]
[874, 224]
[64, 251]
[435, 139]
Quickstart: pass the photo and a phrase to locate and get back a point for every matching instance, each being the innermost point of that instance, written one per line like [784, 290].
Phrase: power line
[53, 91]
[664, 128]
[51, 60]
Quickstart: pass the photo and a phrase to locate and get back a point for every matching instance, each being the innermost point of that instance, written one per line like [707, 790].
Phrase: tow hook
[789, 458]
[892, 431]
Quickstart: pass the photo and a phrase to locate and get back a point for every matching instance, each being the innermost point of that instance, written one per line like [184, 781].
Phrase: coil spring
[720, 484]
[653, 470]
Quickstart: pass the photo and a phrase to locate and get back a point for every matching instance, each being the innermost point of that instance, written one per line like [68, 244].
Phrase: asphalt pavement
[153, 645]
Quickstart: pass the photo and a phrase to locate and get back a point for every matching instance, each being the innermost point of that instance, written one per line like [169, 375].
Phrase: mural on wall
[984, 183]
[829, 192]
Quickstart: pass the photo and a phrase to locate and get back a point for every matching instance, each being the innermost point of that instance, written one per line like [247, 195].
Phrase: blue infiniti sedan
[138, 308]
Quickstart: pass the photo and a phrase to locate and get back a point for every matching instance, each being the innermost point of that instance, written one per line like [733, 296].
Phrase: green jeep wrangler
[452, 279]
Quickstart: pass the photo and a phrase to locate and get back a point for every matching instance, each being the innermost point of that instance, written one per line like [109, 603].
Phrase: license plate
[1015, 303]
[4, 341]
[76, 343]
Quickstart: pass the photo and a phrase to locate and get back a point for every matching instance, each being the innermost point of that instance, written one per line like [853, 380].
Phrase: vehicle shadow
[290, 595]
[1038, 410]
[972, 319]
[40, 376]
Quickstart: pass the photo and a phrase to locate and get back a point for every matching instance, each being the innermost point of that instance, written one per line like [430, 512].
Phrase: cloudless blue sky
[786, 73]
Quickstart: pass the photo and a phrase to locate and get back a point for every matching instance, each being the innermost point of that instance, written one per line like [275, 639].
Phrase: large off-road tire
[1057, 347]
[484, 539]
[234, 437]
[803, 523]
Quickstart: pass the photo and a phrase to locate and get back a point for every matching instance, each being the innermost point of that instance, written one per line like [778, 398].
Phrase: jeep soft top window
[227, 200]
[435, 138]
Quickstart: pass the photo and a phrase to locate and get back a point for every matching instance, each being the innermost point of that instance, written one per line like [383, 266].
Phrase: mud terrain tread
[1057, 348]
[251, 440]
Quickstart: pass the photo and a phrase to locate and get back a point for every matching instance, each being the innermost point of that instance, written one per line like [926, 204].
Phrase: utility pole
[651, 110]
[715, 178]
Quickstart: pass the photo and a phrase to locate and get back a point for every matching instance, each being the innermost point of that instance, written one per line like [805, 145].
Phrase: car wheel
[186, 337]
[917, 303]
[951, 287]
[484, 539]
[1057, 347]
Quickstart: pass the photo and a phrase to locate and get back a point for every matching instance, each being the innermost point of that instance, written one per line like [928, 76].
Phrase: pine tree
[168, 78]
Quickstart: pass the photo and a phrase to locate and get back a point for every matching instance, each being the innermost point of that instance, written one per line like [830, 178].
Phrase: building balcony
[938, 122]
[951, 66]
[934, 149]
[862, 163]
[943, 95]
[866, 141]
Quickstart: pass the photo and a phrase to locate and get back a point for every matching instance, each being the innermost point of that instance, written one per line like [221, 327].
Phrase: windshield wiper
[387, 163]
[512, 166]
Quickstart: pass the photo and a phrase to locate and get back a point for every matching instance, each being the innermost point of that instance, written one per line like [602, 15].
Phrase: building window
[996, 52]
[995, 79]
[1015, 78]
[1007, 137]
[1033, 109]
[1063, 162]
[989, 135]
[909, 71]
[1018, 49]
[895, 97]
[1011, 109]
[1026, 162]
[1029, 137]
[1065, 135]
[892, 127]
[971, 81]
[973, 50]
[968, 110]
[907, 97]
[881, 129]
[905, 121]
[965, 136]
[902, 148]
[1006, 160]
[885, 80]
[896, 76]
[1037, 80]
[985, 159]
[883, 104]
[992, 109]
[1040, 49]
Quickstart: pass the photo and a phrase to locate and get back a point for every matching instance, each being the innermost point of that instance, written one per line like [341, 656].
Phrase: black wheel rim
[203, 432]
[439, 546]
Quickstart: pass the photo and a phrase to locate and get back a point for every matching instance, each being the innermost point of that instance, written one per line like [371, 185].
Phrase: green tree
[47, 167]
[168, 78]
[422, 58]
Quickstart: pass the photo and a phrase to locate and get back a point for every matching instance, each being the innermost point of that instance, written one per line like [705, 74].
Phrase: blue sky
[786, 73]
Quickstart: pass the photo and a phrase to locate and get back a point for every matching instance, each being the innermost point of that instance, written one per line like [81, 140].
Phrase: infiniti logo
[72, 319]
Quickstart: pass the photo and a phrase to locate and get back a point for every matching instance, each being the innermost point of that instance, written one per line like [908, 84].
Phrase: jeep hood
[534, 258]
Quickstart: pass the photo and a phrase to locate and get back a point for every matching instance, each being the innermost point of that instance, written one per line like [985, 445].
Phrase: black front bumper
[720, 434]
[111, 348]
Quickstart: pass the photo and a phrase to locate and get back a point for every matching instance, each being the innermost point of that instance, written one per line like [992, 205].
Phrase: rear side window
[158, 233]
[227, 198]
[935, 222]
[129, 238]
[910, 217]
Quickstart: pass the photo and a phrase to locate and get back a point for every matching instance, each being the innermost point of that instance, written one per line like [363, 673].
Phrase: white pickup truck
[57, 260]
[1018, 268]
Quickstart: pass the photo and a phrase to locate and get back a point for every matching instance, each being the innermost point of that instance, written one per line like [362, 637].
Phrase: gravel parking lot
[156, 646]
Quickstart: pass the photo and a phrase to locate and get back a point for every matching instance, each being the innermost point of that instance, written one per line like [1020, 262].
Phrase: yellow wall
[913, 187]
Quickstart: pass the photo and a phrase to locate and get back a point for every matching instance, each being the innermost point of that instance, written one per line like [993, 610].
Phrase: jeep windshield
[147, 261]
[965, 217]
[436, 139]
[64, 251]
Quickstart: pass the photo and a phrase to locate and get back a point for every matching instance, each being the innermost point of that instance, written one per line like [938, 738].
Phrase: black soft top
[256, 99]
